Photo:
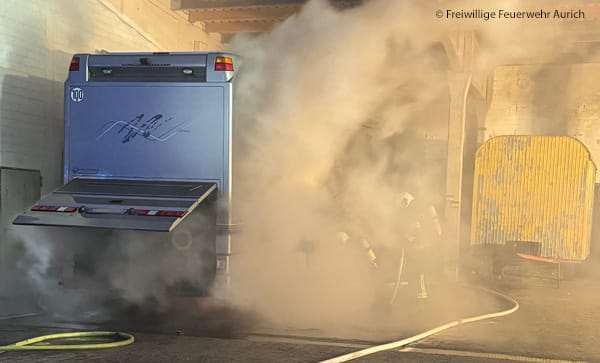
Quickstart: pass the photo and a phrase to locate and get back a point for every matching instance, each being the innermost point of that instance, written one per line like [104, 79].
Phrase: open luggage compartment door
[119, 204]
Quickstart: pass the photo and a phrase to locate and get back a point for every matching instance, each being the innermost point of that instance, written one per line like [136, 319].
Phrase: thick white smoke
[331, 112]
[324, 106]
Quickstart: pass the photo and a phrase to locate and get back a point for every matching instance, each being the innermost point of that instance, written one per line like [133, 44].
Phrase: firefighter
[422, 229]
[417, 228]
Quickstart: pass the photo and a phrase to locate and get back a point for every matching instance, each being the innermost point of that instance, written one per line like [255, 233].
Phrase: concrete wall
[38, 38]
[547, 100]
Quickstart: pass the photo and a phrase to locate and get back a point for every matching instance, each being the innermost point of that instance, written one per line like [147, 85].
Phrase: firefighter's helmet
[405, 199]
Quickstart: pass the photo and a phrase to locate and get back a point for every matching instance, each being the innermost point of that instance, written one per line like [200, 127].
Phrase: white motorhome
[147, 146]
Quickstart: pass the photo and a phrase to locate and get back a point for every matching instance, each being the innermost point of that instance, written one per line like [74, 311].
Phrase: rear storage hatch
[119, 204]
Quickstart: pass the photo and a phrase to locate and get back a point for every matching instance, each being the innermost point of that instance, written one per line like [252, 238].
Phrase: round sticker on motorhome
[76, 94]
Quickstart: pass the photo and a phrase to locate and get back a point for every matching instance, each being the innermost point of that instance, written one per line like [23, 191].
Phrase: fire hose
[423, 335]
[436, 330]
[452, 324]
[116, 339]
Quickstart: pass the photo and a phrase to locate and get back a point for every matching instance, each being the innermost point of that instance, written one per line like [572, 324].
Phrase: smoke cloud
[337, 113]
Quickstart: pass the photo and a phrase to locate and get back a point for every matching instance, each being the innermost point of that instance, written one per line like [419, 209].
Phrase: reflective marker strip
[436, 221]
[365, 243]
[43, 208]
[371, 254]
[170, 213]
[46, 208]
[161, 213]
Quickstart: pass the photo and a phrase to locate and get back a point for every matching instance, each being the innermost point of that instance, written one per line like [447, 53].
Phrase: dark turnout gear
[422, 236]
[407, 259]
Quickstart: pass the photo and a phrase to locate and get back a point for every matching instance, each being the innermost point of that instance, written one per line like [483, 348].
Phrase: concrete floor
[551, 325]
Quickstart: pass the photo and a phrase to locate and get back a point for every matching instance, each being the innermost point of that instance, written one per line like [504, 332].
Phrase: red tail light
[223, 67]
[223, 64]
[74, 64]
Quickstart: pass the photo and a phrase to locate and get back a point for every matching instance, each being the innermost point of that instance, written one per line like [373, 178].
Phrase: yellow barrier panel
[534, 189]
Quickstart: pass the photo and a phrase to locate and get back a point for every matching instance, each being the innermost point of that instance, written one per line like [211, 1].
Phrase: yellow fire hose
[116, 339]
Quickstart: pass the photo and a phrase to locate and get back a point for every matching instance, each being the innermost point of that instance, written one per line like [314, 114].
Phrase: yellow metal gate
[534, 189]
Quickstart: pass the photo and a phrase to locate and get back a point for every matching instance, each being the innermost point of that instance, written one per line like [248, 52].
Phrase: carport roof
[229, 17]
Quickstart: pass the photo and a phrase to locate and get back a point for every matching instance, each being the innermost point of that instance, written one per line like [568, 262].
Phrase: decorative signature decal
[155, 128]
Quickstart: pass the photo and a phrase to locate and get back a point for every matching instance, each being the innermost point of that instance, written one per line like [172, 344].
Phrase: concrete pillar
[469, 102]
[459, 85]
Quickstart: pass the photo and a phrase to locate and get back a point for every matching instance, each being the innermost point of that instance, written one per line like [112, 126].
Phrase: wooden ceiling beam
[244, 26]
[258, 12]
[216, 4]
[207, 4]
[245, 16]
